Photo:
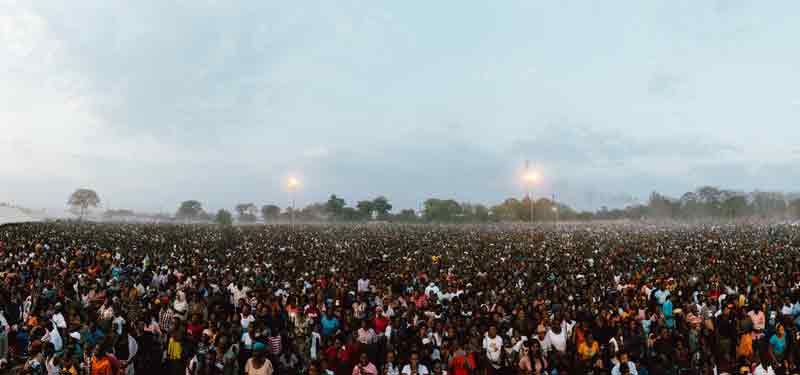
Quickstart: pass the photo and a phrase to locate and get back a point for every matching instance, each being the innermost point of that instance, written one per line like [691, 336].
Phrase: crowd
[101, 299]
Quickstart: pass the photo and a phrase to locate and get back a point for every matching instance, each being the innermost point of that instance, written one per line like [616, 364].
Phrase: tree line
[704, 203]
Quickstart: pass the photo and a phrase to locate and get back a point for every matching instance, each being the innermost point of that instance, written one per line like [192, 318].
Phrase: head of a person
[414, 359]
[492, 331]
[313, 368]
[363, 360]
[541, 331]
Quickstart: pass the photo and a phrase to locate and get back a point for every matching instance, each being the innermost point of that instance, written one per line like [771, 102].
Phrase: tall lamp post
[530, 177]
[292, 184]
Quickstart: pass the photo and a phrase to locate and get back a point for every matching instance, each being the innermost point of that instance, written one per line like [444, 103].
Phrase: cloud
[153, 102]
[664, 84]
[570, 144]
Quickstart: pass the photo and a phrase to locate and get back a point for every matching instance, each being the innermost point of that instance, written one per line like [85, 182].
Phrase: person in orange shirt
[588, 349]
[103, 363]
[745, 347]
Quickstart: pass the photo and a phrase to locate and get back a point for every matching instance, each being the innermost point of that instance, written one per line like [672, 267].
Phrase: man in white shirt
[541, 337]
[661, 295]
[58, 318]
[493, 345]
[763, 369]
[4, 329]
[557, 341]
[363, 285]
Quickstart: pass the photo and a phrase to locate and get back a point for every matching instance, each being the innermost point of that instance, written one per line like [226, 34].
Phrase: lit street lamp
[530, 178]
[292, 184]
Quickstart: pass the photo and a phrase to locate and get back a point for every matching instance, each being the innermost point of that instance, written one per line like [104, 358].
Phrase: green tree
[224, 217]
[382, 207]
[441, 210]
[270, 212]
[365, 209]
[735, 206]
[247, 212]
[81, 199]
[510, 210]
[350, 214]
[406, 216]
[190, 210]
[334, 206]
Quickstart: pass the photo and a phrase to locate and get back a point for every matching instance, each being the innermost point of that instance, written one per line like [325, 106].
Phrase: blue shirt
[666, 308]
[778, 344]
[329, 326]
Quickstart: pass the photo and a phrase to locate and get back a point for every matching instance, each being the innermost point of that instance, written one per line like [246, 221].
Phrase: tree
[406, 216]
[794, 209]
[481, 213]
[247, 212]
[82, 199]
[735, 205]
[350, 214]
[382, 207]
[224, 217]
[190, 210]
[312, 212]
[270, 212]
[365, 209]
[662, 207]
[441, 210]
[511, 209]
[334, 206]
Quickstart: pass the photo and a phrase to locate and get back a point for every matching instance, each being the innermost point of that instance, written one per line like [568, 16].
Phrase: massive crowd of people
[101, 299]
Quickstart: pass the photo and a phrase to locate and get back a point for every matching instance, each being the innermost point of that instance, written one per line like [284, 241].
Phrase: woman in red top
[463, 363]
[380, 321]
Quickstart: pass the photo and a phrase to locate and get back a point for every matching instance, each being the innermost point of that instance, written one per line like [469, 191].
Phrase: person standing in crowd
[412, 299]
[364, 366]
[258, 364]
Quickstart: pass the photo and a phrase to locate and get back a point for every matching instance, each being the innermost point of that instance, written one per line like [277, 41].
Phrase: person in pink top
[364, 366]
[758, 319]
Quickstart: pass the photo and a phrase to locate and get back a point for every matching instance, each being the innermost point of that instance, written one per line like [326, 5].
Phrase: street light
[555, 211]
[531, 178]
[292, 184]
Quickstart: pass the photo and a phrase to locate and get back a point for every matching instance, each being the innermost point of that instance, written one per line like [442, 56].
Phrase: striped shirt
[275, 345]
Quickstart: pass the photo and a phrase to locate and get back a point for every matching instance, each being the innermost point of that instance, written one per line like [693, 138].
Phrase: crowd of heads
[391, 299]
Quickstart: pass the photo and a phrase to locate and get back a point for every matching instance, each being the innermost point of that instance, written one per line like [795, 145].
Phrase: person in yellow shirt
[175, 353]
[588, 349]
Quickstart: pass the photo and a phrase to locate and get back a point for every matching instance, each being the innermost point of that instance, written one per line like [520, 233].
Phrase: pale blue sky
[153, 102]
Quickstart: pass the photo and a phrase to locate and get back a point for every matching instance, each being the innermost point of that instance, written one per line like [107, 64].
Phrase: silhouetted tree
[82, 199]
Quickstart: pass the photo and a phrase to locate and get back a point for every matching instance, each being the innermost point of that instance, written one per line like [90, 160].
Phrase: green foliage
[365, 209]
[247, 212]
[190, 209]
[382, 207]
[270, 212]
[224, 217]
[406, 216]
[334, 206]
[442, 210]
